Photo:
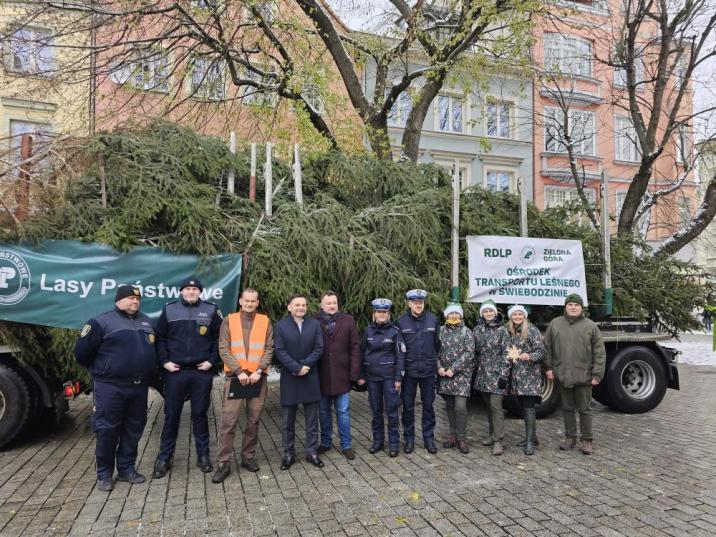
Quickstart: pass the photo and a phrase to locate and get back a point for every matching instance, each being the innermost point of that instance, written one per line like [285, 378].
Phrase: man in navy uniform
[118, 349]
[187, 348]
[420, 331]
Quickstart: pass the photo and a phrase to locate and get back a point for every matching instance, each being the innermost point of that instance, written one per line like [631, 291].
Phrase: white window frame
[256, 97]
[33, 54]
[577, 118]
[41, 129]
[402, 106]
[311, 93]
[149, 70]
[512, 179]
[619, 197]
[568, 54]
[208, 78]
[620, 78]
[451, 100]
[464, 167]
[683, 144]
[570, 194]
[499, 122]
[626, 146]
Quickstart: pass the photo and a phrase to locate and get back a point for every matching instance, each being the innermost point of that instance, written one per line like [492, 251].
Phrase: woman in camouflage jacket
[491, 367]
[524, 349]
[456, 362]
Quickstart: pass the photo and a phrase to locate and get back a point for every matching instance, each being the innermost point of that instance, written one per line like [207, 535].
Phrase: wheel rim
[638, 379]
[547, 387]
[2, 405]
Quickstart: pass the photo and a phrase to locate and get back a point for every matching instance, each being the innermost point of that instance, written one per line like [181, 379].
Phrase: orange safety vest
[248, 361]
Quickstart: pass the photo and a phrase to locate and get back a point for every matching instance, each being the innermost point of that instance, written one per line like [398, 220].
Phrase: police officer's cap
[191, 282]
[123, 291]
[382, 304]
[416, 294]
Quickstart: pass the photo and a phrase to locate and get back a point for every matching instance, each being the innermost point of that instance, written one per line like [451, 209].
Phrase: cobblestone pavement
[651, 475]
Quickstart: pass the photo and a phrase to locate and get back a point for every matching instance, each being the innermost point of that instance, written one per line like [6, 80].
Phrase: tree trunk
[414, 124]
[702, 218]
[377, 132]
[633, 198]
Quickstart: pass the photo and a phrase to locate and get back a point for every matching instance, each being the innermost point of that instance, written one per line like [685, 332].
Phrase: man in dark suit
[298, 347]
[339, 366]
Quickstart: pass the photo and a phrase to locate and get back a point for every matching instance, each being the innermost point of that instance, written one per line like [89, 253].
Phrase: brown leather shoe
[497, 449]
[349, 454]
[586, 447]
[463, 447]
[451, 442]
[568, 443]
[222, 472]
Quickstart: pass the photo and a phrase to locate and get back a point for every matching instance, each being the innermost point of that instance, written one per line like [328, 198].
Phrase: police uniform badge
[85, 330]
[203, 330]
[150, 337]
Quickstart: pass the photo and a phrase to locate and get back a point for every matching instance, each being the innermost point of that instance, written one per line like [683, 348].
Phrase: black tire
[15, 404]
[550, 400]
[636, 380]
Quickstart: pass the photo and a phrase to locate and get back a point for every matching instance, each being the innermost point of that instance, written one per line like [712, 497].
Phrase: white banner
[521, 270]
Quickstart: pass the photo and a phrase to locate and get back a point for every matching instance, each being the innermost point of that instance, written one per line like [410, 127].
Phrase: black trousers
[310, 414]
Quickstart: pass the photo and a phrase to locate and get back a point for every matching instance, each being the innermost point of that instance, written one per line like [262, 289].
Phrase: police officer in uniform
[421, 331]
[118, 349]
[383, 364]
[187, 348]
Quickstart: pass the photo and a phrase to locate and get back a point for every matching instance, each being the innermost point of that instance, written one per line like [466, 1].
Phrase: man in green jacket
[575, 354]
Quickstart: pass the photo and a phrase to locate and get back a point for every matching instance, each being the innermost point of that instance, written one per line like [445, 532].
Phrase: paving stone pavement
[651, 475]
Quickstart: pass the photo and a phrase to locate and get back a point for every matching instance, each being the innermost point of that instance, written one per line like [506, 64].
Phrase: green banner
[64, 283]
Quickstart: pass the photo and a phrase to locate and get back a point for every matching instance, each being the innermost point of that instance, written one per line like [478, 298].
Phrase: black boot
[530, 430]
[522, 442]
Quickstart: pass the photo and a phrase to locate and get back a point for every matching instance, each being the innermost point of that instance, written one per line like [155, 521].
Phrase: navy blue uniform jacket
[117, 347]
[383, 352]
[294, 349]
[188, 334]
[422, 339]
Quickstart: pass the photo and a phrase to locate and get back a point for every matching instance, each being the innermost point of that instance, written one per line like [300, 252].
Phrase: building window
[146, 69]
[559, 195]
[499, 119]
[450, 113]
[620, 75]
[30, 51]
[683, 145]
[463, 170]
[208, 79]
[311, 93]
[625, 140]
[500, 181]
[567, 55]
[400, 110]
[260, 96]
[580, 129]
[41, 136]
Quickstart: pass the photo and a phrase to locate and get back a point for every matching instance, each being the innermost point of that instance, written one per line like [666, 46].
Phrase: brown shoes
[451, 442]
[586, 447]
[497, 448]
[349, 454]
[568, 443]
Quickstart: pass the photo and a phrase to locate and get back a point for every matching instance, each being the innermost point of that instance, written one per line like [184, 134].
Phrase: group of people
[321, 359]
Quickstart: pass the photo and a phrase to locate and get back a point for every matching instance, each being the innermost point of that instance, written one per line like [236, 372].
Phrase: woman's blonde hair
[524, 331]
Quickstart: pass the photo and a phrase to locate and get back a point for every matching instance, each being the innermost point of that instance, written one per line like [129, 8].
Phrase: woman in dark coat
[491, 377]
[524, 348]
[298, 347]
[456, 362]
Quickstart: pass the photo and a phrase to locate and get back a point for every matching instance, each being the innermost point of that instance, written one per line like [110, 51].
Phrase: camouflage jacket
[457, 352]
[525, 375]
[490, 359]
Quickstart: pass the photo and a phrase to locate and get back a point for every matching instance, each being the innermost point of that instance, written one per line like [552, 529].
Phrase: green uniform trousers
[578, 398]
[495, 415]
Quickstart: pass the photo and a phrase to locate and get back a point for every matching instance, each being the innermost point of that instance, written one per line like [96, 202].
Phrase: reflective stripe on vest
[257, 341]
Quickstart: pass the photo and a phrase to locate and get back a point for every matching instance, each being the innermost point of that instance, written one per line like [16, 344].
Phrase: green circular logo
[14, 278]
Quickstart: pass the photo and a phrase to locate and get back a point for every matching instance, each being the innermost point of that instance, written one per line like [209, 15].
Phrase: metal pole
[268, 179]
[606, 249]
[297, 176]
[456, 187]
[252, 178]
[523, 207]
[231, 180]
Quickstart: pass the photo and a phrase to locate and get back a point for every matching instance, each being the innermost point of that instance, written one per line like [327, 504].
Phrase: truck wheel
[550, 400]
[14, 404]
[636, 380]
